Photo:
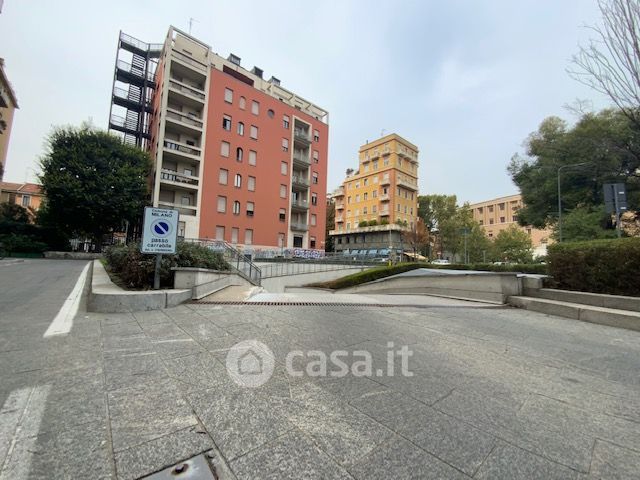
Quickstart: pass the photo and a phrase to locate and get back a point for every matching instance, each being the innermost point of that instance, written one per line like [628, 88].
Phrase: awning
[417, 256]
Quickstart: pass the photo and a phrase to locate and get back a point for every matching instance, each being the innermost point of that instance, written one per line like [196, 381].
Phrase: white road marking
[24, 409]
[64, 319]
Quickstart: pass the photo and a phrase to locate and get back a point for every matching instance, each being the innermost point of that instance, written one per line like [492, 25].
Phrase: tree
[329, 225]
[417, 237]
[610, 63]
[584, 223]
[434, 209]
[512, 245]
[11, 212]
[606, 147]
[93, 182]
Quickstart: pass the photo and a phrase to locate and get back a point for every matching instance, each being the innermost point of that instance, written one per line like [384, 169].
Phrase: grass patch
[381, 272]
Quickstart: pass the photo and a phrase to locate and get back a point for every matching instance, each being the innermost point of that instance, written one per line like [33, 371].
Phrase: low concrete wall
[619, 302]
[203, 282]
[106, 297]
[72, 255]
[280, 284]
[486, 287]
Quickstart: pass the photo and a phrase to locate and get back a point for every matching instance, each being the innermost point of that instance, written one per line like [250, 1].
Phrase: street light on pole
[560, 196]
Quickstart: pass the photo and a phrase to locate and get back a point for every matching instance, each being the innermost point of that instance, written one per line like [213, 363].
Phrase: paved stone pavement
[496, 392]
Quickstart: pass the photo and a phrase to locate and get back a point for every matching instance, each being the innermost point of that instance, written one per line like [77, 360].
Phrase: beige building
[500, 213]
[27, 195]
[8, 105]
[383, 193]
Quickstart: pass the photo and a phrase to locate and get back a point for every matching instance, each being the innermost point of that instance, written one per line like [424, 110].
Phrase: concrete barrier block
[612, 318]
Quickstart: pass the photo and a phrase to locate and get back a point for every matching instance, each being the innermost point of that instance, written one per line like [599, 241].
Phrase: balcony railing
[301, 135]
[181, 117]
[408, 185]
[300, 204]
[180, 147]
[384, 213]
[173, 176]
[181, 87]
[183, 209]
[299, 227]
[300, 181]
[384, 197]
[128, 95]
[191, 61]
[339, 218]
[339, 206]
[375, 154]
[385, 180]
[133, 70]
[301, 159]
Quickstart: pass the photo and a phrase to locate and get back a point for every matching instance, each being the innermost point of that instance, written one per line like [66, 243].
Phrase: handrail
[193, 91]
[138, 72]
[181, 117]
[173, 176]
[191, 61]
[182, 148]
[238, 262]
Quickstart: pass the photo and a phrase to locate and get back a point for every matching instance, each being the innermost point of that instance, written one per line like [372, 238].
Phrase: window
[285, 145]
[357, 197]
[242, 103]
[255, 107]
[283, 191]
[222, 204]
[375, 179]
[237, 182]
[314, 219]
[251, 184]
[314, 199]
[188, 171]
[228, 95]
[375, 165]
[26, 200]
[491, 221]
[501, 206]
[223, 176]
[181, 229]
[234, 234]
[491, 209]
[374, 208]
[314, 178]
[253, 157]
[226, 122]
[365, 182]
[186, 200]
[219, 232]
[248, 236]
[316, 136]
[254, 132]
[224, 149]
[240, 128]
[315, 156]
[297, 241]
[374, 194]
[284, 168]
[285, 122]
[239, 154]
[312, 242]
[282, 214]
[364, 211]
[365, 196]
[271, 113]
[398, 207]
[502, 219]
[236, 208]
[250, 207]
[281, 240]
[515, 218]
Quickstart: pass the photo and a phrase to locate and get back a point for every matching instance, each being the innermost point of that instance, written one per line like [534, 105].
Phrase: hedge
[597, 266]
[133, 269]
[386, 271]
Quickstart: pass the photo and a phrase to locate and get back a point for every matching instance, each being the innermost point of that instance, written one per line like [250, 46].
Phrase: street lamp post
[560, 196]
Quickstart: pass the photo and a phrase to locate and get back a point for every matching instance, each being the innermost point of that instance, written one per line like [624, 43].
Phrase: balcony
[185, 123]
[339, 192]
[339, 218]
[407, 184]
[301, 159]
[383, 213]
[339, 206]
[127, 73]
[299, 205]
[301, 136]
[189, 210]
[187, 94]
[189, 61]
[384, 197]
[187, 150]
[386, 152]
[128, 99]
[172, 177]
[299, 227]
[299, 182]
[385, 180]
[375, 154]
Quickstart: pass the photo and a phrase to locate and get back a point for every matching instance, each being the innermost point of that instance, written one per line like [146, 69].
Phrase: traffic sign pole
[156, 274]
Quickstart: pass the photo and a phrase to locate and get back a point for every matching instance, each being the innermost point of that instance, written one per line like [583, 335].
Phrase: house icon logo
[250, 363]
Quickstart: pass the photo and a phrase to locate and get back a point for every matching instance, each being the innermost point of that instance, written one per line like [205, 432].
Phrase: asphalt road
[495, 392]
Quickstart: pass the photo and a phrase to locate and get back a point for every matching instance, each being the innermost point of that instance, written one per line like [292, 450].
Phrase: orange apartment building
[27, 195]
[500, 213]
[383, 192]
[241, 158]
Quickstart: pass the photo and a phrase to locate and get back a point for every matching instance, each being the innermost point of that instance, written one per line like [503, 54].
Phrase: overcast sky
[464, 80]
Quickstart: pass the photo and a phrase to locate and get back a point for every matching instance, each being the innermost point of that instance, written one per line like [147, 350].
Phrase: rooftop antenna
[382, 132]
[191, 20]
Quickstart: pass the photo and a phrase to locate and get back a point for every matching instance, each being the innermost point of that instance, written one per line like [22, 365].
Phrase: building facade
[8, 105]
[500, 213]
[379, 200]
[27, 195]
[241, 158]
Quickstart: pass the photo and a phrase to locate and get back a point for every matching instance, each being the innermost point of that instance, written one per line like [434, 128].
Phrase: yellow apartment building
[383, 192]
[500, 213]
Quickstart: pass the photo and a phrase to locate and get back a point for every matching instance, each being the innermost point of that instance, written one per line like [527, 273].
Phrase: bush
[384, 221]
[136, 270]
[386, 271]
[597, 266]
[363, 223]
[373, 223]
[18, 243]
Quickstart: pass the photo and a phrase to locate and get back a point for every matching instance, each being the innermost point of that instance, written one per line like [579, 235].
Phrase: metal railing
[237, 261]
[174, 176]
[301, 135]
[137, 71]
[300, 204]
[282, 267]
[181, 117]
[297, 180]
[191, 61]
[299, 227]
[193, 91]
[182, 148]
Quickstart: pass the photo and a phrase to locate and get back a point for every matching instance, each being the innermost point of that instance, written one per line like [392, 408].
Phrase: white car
[440, 261]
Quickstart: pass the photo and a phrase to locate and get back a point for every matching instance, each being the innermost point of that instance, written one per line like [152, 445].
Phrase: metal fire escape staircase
[133, 87]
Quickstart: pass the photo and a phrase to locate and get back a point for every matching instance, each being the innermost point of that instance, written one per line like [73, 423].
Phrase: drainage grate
[337, 304]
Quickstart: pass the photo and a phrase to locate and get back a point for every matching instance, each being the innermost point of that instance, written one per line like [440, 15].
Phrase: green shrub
[18, 243]
[136, 270]
[373, 223]
[363, 223]
[384, 221]
[598, 266]
[386, 271]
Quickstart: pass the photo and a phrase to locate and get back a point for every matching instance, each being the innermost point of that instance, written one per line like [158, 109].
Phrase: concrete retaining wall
[489, 287]
[107, 297]
[595, 299]
[203, 282]
[280, 284]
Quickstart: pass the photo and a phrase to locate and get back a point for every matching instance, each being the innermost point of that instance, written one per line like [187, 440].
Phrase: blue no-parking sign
[160, 232]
